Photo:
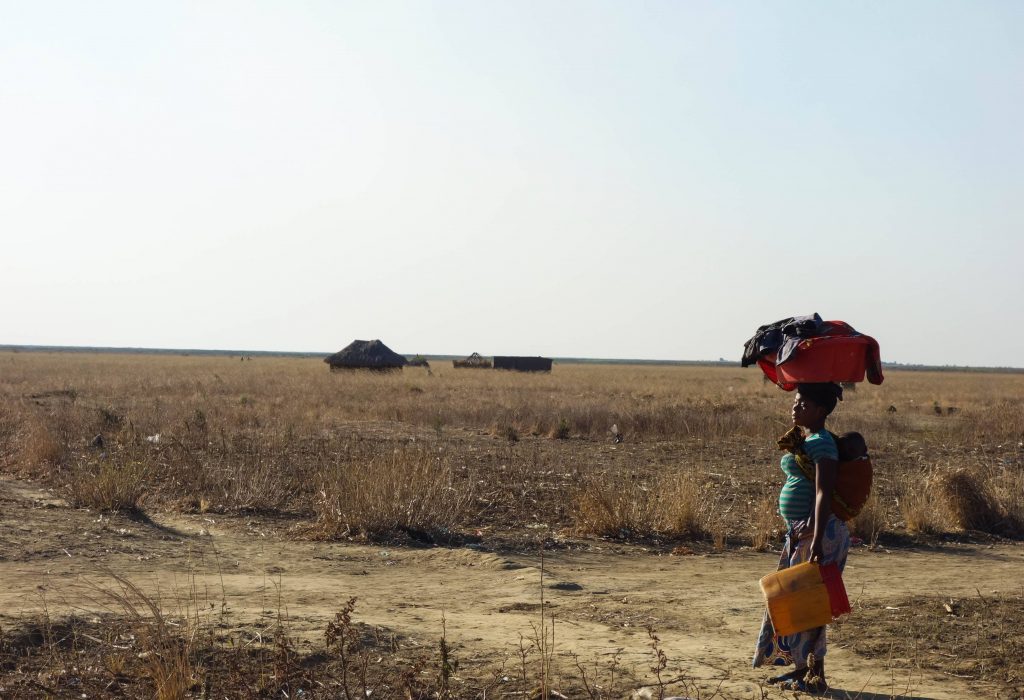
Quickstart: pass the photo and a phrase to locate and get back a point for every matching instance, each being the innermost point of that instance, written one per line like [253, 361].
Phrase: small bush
[39, 447]
[169, 645]
[968, 501]
[607, 507]
[870, 523]
[765, 524]
[962, 499]
[408, 490]
[561, 431]
[918, 506]
[1006, 488]
[108, 486]
[613, 507]
[509, 432]
[680, 506]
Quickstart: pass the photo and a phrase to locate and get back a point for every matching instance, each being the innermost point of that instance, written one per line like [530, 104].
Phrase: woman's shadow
[840, 694]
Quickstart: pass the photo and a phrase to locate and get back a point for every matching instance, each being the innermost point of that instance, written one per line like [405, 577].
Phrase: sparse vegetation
[461, 457]
[108, 485]
[628, 507]
[281, 435]
[974, 638]
[414, 490]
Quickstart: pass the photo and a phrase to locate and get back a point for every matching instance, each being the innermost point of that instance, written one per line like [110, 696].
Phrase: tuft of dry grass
[108, 485]
[983, 500]
[561, 431]
[415, 490]
[765, 523]
[920, 509]
[681, 506]
[39, 448]
[1006, 487]
[669, 506]
[169, 653]
[871, 522]
[967, 501]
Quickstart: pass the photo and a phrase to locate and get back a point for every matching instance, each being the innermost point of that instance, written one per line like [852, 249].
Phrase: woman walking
[813, 533]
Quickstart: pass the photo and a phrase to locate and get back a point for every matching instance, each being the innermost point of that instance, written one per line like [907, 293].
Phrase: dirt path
[706, 609]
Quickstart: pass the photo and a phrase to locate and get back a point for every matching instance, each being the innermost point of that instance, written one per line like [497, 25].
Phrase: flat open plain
[247, 501]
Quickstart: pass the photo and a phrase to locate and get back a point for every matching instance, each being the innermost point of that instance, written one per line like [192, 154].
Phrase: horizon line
[5, 347]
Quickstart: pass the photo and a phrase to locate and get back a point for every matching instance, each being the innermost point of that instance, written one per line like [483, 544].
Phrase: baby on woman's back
[851, 447]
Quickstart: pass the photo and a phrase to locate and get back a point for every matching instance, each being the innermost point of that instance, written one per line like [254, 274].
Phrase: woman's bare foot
[812, 681]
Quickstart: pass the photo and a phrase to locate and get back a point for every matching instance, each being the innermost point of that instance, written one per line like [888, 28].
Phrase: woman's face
[805, 412]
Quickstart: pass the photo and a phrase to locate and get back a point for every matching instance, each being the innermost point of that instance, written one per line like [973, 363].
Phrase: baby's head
[851, 446]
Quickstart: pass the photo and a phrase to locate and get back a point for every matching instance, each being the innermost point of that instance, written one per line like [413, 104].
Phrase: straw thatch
[419, 361]
[366, 354]
[474, 361]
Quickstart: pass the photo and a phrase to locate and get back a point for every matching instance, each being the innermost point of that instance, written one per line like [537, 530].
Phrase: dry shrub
[39, 448]
[561, 431]
[609, 507]
[920, 509]
[670, 506]
[870, 523]
[1006, 487]
[719, 537]
[108, 485]
[969, 502]
[681, 505]
[409, 489]
[169, 647]
[936, 500]
[9, 429]
[505, 430]
[255, 483]
[765, 523]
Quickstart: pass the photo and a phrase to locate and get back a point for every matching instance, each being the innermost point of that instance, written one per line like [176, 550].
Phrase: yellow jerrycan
[804, 596]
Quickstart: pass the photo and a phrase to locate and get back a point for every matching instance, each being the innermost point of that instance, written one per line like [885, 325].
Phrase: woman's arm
[825, 483]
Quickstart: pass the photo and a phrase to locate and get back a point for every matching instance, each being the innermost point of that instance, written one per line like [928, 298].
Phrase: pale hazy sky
[627, 179]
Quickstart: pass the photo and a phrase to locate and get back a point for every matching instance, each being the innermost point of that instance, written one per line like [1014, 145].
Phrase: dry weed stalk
[169, 647]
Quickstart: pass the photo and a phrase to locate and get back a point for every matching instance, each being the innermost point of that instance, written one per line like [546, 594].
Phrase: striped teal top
[796, 500]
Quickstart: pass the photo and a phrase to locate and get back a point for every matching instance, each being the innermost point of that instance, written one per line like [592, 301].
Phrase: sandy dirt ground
[705, 608]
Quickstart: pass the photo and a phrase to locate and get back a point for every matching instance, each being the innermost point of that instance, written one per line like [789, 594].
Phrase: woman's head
[814, 402]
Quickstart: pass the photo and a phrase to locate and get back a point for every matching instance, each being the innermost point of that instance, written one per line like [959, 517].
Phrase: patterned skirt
[774, 650]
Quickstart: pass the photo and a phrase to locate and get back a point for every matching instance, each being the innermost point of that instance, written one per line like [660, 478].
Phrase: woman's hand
[816, 551]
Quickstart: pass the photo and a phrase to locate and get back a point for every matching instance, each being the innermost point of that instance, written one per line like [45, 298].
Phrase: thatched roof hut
[366, 354]
[474, 361]
[419, 361]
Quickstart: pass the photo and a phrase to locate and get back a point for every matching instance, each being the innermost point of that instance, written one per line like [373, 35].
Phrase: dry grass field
[151, 500]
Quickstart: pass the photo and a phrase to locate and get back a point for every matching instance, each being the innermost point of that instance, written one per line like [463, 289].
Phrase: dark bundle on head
[825, 394]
